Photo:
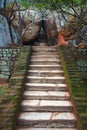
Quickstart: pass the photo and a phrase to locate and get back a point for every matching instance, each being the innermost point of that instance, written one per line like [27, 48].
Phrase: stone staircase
[46, 103]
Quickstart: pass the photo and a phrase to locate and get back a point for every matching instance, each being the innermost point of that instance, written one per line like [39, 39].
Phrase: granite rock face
[83, 34]
[30, 25]
[5, 34]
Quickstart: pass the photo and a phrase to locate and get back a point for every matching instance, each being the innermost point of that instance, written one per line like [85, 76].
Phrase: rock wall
[5, 39]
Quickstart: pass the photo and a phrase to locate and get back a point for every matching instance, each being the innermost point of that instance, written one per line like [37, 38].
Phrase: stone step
[56, 56]
[46, 86]
[44, 48]
[46, 128]
[45, 62]
[50, 73]
[46, 95]
[46, 67]
[35, 79]
[44, 53]
[46, 106]
[47, 119]
[45, 59]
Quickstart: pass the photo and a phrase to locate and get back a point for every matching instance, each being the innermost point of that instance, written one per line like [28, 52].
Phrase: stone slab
[49, 78]
[45, 59]
[39, 79]
[47, 116]
[46, 56]
[53, 103]
[46, 129]
[46, 105]
[46, 95]
[45, 62]
[47, 72]
[50, 73]
[45, 67]
[48, 65]
[44, 53]
[45, 85]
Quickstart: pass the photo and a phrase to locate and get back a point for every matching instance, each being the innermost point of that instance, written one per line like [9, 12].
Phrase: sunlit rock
[30, 25]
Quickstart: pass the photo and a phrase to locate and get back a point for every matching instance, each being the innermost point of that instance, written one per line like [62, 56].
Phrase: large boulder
[5, 38]
[32, 33]
[29, 23]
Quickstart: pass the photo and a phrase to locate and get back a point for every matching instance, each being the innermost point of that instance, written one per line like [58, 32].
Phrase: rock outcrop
[5, 39]
[30, 27]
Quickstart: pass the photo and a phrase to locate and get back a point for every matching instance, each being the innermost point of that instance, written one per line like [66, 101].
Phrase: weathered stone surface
[47, 119]
[44, 86]
[40, 79]
[46, 129]
[46, 93]
[31, 33]
[30, 26]
[49, 73]
[4, 33]
[45, 67]
[46, 105]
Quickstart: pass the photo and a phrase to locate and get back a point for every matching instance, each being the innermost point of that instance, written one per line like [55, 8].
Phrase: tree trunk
[10, 31]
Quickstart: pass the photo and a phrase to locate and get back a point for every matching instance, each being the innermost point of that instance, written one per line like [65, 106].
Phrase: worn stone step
[46, 105]
[35, 79]
[56, 56]
[44, 53]
[46, 128]
[47, 119]
[44, 95]
[46, 86]
[45, 62]
[49, 73]
[45, 59]
[42, 50]
[38, 48]
[46, 67]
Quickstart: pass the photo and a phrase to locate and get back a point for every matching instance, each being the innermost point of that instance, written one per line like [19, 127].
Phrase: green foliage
[53, 4]
[23, 3]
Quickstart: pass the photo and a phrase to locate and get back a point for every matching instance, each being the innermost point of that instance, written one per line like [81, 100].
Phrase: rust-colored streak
[61, 41]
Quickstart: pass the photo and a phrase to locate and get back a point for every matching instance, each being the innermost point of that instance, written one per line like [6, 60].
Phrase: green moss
[10, 94]
[65, 70]
[69, 67]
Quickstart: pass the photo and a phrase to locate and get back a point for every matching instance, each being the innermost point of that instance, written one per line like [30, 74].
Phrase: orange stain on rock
[60, 40]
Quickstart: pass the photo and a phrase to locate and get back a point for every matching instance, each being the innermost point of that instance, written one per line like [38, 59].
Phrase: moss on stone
[10, 94]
